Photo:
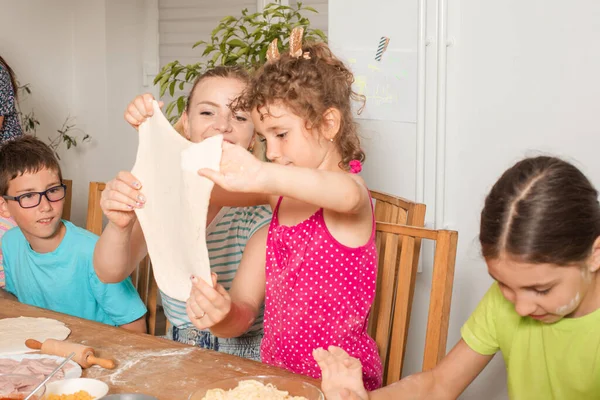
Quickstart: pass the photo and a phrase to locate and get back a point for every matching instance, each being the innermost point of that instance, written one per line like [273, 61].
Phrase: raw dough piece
[174, 217]
[250, 389]
[14, 332]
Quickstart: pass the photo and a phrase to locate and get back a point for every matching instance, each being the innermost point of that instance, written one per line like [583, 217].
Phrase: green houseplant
[239, 40]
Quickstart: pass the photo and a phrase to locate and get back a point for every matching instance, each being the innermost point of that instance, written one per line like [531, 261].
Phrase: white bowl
[94, 387]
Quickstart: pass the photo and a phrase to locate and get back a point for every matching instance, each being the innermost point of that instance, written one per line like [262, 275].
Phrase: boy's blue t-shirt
[64, 280]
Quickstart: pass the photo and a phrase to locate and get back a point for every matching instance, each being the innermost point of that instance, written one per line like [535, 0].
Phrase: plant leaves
[241, 40]
[236, 43]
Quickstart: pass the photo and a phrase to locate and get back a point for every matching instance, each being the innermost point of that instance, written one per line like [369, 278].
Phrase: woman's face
[209, 112]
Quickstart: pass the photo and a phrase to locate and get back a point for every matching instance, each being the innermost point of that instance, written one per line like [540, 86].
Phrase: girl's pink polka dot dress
[318, 293]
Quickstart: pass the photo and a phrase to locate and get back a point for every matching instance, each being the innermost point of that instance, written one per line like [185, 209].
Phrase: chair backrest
[398, 210]
[391, 331]
[93, 222]
[395, 210]
[142, 277]
[68, 198]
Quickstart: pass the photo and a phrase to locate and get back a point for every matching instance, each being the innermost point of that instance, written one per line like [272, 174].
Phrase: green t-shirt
[543, 361]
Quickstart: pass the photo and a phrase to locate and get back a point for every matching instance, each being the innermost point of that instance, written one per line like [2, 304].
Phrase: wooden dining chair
[398, 210]
[391, 330]
[394, 210]
[68, 197]
[142, 277]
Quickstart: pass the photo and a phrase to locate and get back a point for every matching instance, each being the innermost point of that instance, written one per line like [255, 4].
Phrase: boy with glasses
[48, 262]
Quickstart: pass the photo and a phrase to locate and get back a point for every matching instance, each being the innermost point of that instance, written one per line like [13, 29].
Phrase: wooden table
[148, 364]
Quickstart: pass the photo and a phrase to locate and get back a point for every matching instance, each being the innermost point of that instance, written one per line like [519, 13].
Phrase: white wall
[521, 79]
[390, 146]
[82, 59]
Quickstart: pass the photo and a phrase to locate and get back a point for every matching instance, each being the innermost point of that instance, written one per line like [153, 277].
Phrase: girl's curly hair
[309, 86]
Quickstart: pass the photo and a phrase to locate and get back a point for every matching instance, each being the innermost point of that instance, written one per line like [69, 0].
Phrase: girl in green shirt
[540, 237]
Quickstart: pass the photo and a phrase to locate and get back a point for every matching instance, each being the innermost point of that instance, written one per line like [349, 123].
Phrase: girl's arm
[342, 378]
[335, 191]
[232, 314]
[242, 172]
[224, 198]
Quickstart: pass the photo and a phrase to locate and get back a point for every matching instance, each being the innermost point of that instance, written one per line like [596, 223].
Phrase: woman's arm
[122, 244]
[118, 252]
[232, 314]
[342, 378]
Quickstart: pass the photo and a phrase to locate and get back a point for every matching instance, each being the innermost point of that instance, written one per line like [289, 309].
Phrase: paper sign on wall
[389, 85]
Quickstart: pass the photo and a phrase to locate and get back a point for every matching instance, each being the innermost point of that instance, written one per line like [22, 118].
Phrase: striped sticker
[382, 47]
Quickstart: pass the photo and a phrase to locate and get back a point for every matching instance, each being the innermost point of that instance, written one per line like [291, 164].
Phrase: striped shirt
[226, 237]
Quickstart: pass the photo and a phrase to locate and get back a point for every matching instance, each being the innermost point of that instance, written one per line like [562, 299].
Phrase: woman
[234, 235]
[10, 128]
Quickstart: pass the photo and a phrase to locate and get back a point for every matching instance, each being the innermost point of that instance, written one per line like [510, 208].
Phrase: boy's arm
[8, 292]
[119, 301]
[139, 325]
[248, 288]
[4, 295]
[119, 251]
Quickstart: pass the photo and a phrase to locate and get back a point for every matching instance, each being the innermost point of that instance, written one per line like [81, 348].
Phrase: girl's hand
[342, 375]
[207, 306]
[140, 109]
[120, 197]
[239, 171]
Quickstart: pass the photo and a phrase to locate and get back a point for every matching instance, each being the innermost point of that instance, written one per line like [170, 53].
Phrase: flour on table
[15, 331]
[173, 218]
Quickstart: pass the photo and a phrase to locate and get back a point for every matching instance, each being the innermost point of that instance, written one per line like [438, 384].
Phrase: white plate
[74, 372]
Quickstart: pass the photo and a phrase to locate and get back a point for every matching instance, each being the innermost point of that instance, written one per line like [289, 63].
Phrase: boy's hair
[542, 210]
[222, 71]
[26, 154]
[309, 86]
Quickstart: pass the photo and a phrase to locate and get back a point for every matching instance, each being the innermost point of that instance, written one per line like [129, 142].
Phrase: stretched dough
[174, 217]
[15, 331]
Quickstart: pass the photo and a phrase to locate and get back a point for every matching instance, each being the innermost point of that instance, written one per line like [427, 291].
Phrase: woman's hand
[207, 306]
[239, 171]
[119, 199]
[140, 109]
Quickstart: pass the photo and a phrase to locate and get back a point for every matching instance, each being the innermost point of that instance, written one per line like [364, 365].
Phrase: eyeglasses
[33, 199]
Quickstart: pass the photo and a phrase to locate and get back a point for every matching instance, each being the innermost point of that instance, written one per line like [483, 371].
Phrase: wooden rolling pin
[84, 355]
